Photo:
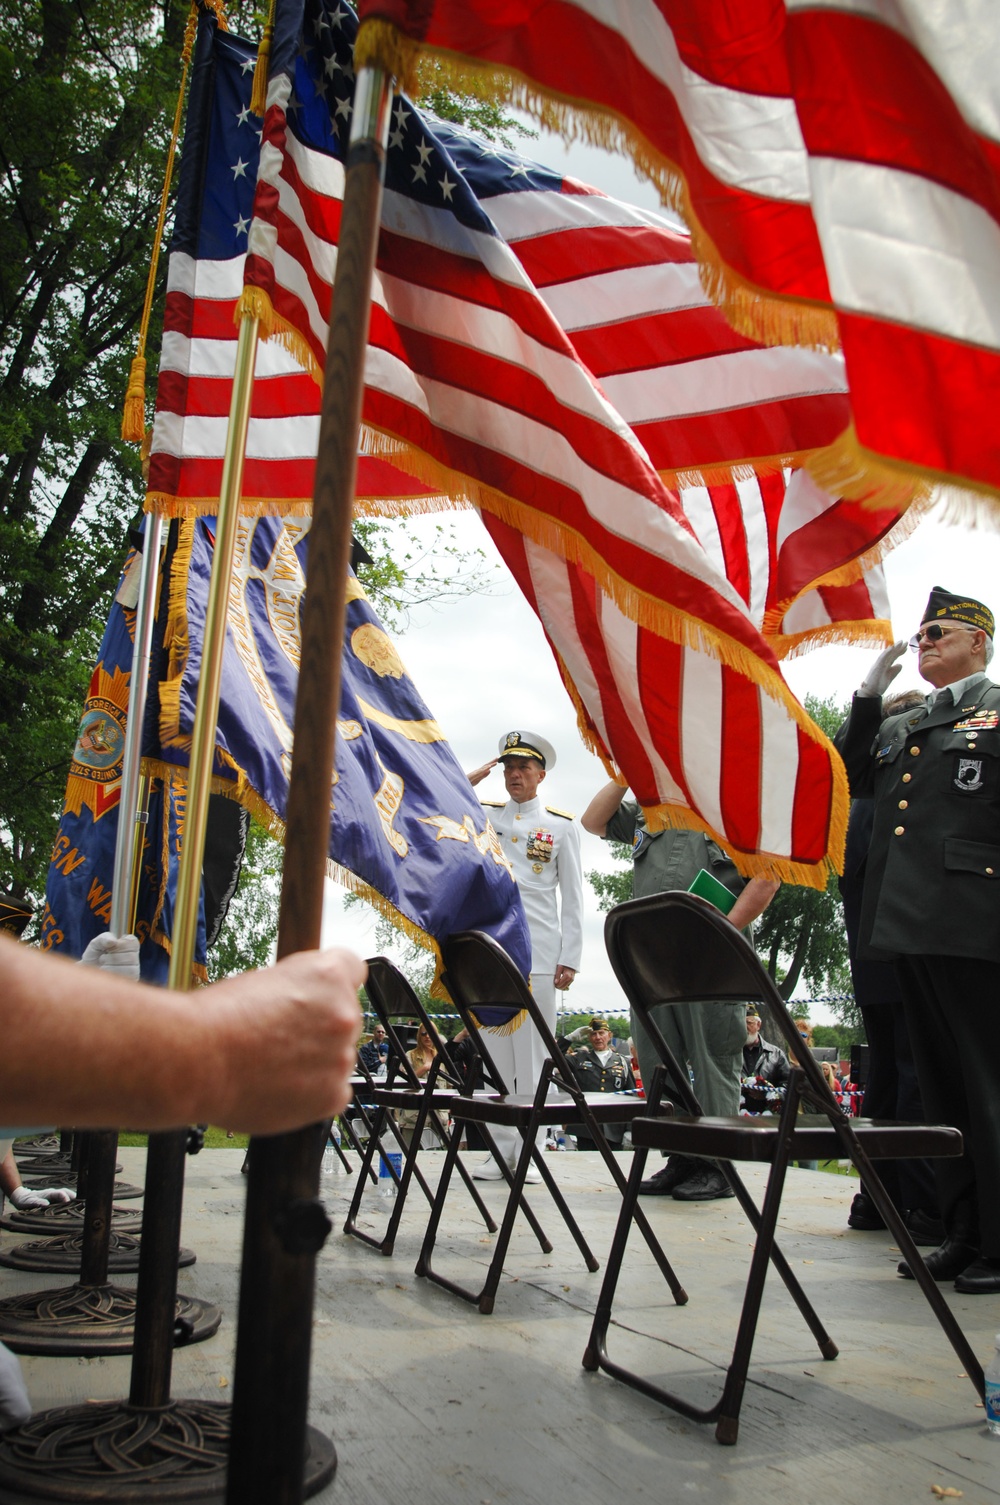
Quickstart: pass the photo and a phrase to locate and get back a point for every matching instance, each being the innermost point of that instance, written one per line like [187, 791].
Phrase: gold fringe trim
[513, 1024]
[190, 507]
[258, 94]
[255, 302]
[754, 311]
[682, 817]
[380, 44]
[176, 636]
[876, 633]
[643, 609]
[849, 468]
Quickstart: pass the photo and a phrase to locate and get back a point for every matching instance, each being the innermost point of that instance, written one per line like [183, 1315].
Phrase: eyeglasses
[934, 633]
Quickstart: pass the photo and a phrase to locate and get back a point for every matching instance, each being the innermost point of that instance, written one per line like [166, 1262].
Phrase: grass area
[215, 1139]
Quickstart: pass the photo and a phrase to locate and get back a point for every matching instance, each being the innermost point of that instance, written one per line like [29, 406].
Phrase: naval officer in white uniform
[543, 845]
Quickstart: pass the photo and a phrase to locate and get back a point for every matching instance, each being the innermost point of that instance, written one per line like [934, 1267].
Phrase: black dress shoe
[925, 1228]
[704, 1186]
[864, 1215]
[677, 1169]
[945, 1263]
[980, 1278]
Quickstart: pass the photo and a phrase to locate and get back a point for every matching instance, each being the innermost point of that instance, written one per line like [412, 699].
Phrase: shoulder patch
[494, 804]
[566, 814]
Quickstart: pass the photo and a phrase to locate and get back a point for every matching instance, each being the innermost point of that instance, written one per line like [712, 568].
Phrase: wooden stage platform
[430, 1403]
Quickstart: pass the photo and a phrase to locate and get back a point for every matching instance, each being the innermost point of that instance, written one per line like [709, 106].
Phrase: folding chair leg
[641, 1221]
[467, 1180]
[915, 1261]
[538, 1157]
[595, 1355]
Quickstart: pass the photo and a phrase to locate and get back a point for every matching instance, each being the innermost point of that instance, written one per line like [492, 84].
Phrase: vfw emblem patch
[970, 774]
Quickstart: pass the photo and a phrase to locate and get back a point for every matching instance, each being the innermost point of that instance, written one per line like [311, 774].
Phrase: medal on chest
[541, 845]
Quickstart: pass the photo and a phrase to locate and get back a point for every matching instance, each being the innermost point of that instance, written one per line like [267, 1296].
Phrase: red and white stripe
[689, 733]
[193, 395]
[468, 367]
[838, 157]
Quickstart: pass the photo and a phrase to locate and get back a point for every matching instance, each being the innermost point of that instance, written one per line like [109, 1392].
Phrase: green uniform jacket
[932, 886]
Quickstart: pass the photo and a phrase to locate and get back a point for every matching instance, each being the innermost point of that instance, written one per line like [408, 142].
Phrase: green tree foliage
[613, 887]
[88, 88]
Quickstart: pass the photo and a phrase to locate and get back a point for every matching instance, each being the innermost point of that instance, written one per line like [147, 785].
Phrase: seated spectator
[761, 1059]
[598, 1067]
[375, 1052]
[582, 1035]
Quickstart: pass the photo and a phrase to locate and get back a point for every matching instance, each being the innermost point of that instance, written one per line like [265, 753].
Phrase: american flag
[473, 384]
[408, 831]
[839, 165]
[624, 285]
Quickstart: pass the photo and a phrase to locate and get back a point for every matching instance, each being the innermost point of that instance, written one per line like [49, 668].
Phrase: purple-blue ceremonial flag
[406, 828]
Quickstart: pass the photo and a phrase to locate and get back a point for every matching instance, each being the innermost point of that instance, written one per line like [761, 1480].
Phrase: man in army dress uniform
[543, 845]
[709, 1036]
[931, 903]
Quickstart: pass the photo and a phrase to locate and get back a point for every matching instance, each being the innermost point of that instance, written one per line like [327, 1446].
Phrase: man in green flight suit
[708, 1037]
[931, 902]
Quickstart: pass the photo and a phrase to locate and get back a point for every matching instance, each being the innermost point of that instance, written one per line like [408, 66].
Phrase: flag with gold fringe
[838, 165]
[81, 870]
[407, 831]
[473, 385]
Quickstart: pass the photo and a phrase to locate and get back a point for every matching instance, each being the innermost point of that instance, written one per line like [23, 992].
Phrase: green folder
[707, 887]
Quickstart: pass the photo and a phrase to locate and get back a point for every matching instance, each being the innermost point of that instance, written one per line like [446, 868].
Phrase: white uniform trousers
[520, 1057]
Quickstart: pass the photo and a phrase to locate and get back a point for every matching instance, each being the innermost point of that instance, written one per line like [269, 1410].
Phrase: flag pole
[286, 1224]
[161, 1223]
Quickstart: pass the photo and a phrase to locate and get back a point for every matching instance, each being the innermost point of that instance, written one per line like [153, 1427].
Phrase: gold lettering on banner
[486, 841]
[284, 583]
[388, 801]
[413, 731]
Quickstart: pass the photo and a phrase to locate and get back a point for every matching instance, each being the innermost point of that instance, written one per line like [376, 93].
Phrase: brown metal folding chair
[393, 1001]
[675, 948]
[480, 975]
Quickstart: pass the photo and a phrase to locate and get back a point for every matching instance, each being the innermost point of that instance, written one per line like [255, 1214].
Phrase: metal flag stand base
[68, 1218]
[84, 1320]
[93, 1316]
[122, 1453]
[63, 1256]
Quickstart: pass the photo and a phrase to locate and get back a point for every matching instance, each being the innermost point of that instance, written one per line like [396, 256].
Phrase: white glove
[40, 1196]
[882, 672]
[114, 953]
[15, 1407]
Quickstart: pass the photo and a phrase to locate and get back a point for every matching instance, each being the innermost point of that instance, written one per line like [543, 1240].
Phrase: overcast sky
[484, 668]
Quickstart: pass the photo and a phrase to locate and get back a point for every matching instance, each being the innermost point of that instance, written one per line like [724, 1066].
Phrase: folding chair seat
[393, 1000]
[482, 980]
[675, 948]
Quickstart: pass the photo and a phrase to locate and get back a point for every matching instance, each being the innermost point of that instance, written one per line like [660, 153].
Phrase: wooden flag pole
[286, 1224]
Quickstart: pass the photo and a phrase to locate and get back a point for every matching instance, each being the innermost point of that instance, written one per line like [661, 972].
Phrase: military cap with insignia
[942, 603]
[14, 914]
[527, 745]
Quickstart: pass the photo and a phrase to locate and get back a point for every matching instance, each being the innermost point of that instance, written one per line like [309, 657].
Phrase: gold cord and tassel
[134, 414]
[258, 96]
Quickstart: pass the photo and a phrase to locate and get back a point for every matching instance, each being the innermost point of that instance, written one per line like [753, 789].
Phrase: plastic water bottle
[329, 1159]
[560, 1139]
[386, 1185]
[993, 1391]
